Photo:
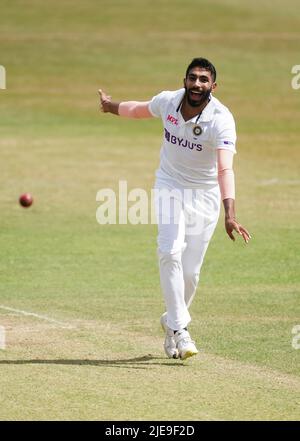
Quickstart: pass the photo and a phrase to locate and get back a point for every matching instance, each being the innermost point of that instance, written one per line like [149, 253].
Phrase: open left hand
[105, 101]
[232, 225]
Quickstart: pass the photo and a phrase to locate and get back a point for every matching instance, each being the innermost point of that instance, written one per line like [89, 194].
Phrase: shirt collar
[178, 98]
[207, 113]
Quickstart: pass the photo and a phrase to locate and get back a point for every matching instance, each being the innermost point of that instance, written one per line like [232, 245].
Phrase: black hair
[205, 64]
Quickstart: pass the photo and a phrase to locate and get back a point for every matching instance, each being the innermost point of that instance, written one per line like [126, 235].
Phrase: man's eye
[202, 79]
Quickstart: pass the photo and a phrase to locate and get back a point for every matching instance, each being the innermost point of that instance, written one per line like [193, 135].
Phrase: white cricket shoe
[169, 343]
[185, 345]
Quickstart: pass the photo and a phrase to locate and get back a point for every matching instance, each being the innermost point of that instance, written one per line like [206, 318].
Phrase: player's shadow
[143, 362]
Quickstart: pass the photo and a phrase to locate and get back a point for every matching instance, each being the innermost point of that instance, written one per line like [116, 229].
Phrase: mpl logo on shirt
[172, 120]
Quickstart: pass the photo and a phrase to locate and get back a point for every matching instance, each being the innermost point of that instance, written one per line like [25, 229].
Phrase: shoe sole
[162, 326]
[187, 354]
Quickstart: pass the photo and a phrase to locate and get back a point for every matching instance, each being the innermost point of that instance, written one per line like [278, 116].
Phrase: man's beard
[198, 102]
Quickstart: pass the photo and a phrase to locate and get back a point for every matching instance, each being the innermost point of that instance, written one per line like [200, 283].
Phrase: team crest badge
[197, 130]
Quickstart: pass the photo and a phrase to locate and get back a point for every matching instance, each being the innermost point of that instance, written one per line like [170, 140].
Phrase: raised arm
[227, 188]
[129, 109]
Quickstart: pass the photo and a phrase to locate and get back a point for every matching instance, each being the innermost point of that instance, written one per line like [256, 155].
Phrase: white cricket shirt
[189, 149]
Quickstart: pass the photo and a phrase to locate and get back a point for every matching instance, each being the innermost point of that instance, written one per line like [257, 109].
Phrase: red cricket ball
[26, 200]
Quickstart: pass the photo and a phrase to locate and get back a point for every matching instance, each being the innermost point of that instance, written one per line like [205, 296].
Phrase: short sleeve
[225, 133]
[158, 103]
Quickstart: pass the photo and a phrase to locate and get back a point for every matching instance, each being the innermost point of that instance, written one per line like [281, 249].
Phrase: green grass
[102, 281]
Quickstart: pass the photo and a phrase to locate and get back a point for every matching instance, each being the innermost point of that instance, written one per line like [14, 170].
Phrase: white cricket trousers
[186, 222]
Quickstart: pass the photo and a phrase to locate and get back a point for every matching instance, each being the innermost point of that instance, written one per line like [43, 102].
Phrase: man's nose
[198, 82]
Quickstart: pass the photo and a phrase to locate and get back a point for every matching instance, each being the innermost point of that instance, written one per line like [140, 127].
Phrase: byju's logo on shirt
[182, 142]
[172, 120]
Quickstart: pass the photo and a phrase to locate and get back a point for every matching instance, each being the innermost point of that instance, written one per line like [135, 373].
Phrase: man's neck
[188, 112]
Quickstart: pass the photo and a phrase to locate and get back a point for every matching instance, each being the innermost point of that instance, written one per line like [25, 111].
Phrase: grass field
[94, 348]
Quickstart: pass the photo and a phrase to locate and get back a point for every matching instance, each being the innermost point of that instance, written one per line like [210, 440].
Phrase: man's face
[198, 86]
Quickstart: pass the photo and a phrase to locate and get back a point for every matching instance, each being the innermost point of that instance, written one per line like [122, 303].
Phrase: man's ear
[184, 82]
[214, 86]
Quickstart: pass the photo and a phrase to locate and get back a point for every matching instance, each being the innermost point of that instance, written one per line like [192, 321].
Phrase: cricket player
[195, 174]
